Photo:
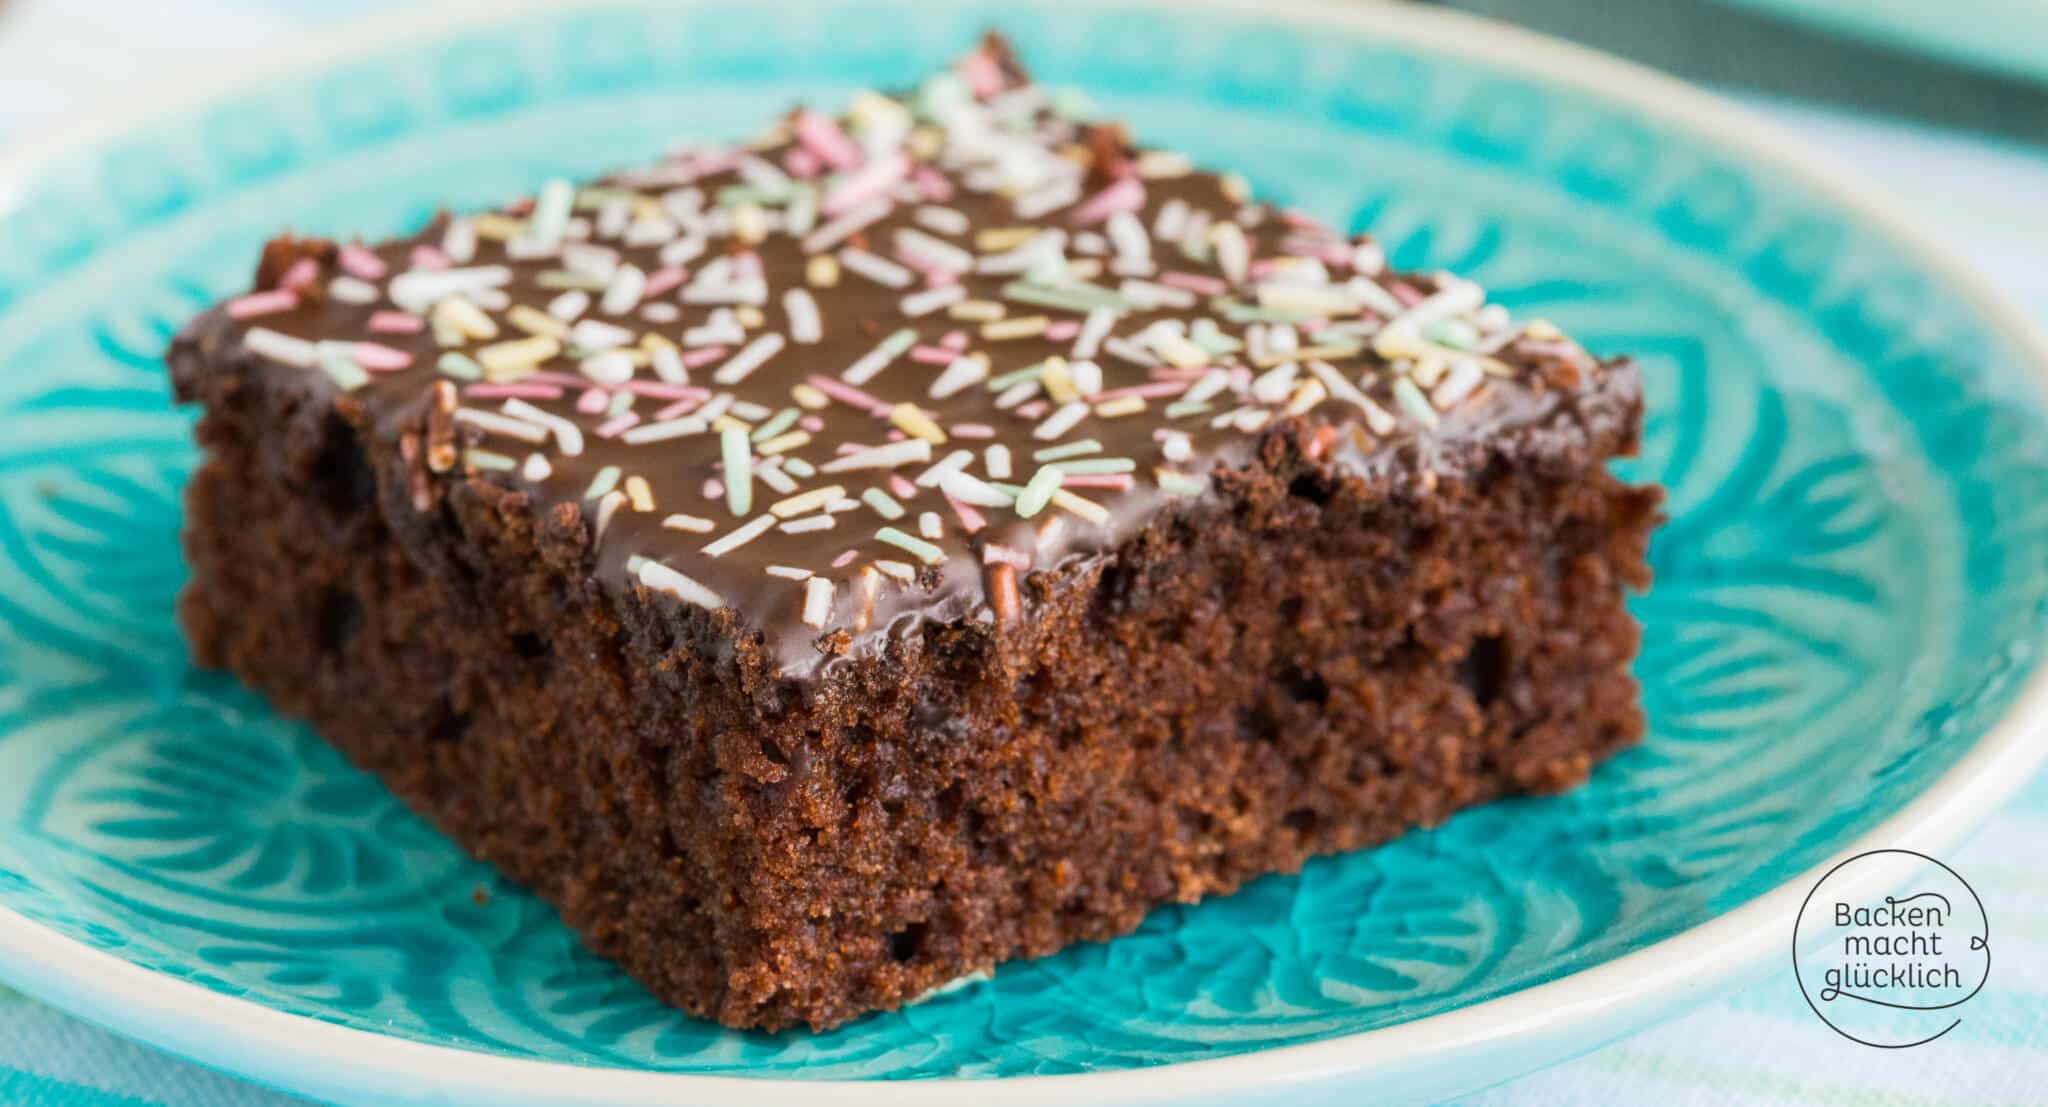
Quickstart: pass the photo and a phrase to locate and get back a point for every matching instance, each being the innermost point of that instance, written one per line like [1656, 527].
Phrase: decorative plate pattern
[1850, 589]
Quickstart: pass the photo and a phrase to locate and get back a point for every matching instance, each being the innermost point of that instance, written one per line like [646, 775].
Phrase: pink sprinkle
[703, 355]
[428, 257]
[662, 390]
[972, 430]
[593, 401]
[381, 359]
[801, 163]
[262, 303]
[715, 160]
[869, 182]
[970, 519]
[901, 485]
[1127, 194]
[956, 340]
[1197, 283]
[995, 553]
[1240, 377]
[549, 376]
[845, 559]
[895, 436]
[521, 206]
[845, 448]
[1260, 269]
[1121, 482]
[662, 280]
[1405, 292]
[811, 423]
[505, 390]
[1295, 217]
[613, 427]
[677, 410]
[1033, 409]
[714, 489]
[935, 277]
[1062, 330]
[359, 262]
[983, 75]
[821, 136]
[933, 355]
[933, 184]
[396, 322]
[301, 274]
[746, 264]
[847, 394]
[1153, 391]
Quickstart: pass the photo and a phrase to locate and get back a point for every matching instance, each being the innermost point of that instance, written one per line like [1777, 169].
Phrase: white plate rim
[1487, 1041]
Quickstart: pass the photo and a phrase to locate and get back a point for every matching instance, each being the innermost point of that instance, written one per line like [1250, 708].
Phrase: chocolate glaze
[1552, 399]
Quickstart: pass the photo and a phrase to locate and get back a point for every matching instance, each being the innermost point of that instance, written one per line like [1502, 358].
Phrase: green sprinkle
[1038, 493]
[606, 479]
[485, 459]
[1006, 488]
[739, 469]
[798, 467]
[1067, 450]
[775, 425]
[1075, 297]
[732, 196]
[1096, 466]
[347, 375]
[1186, 407]
[553, 279]
[619, 403]
[884, 504]
[1414, 402]
[1015, 377]
[1175, 483]
[916, 547]
[460, 366]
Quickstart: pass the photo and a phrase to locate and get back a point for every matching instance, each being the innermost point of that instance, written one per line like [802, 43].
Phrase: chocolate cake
[829, 566]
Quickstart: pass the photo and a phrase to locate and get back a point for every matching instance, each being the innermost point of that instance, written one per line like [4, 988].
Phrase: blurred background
[1942, 102]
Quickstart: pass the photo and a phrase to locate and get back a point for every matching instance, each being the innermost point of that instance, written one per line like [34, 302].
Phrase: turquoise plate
[1846, 624]
[2006, 36]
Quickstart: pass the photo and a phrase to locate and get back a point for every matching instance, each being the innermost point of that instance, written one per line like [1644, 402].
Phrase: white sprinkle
[817, 601]
[459, 241]
[668, 365]
[804, 325]
[623, 294]
[1464, 376]
[1093, 330]
[550, 216]
[569, 305]
[749, 358]
[350, 290]
[996, 459]
[691, 523]
[296, 352]
[808, 524]
[1060, 422]
[606, 508]
[963, 372]
[1086, 376]
[942, 220]
[773, 476]
[739, 469]
[418, 290]
[969, 489]
[663, 431]
[951, 463]
[594, 335]
[740, 537]
[875, 268]
[787, 572]
[502, 424]
[928, 252]
[1172, 221]
[568, 437]
[660, 577]
[932, 299]
[536, 469]
[841, 227]
[901, 570]
[610, 368]
[1377, 418]
[878, 359]
[906, 452]
[1233, 253]
[929, 526]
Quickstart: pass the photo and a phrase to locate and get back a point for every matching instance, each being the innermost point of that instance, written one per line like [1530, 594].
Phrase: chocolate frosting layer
[862, 316]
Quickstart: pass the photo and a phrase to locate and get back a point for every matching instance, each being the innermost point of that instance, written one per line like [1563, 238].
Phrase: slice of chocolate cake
[829, 566]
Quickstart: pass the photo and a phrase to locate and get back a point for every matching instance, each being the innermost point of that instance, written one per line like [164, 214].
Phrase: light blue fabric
[1757, 1046]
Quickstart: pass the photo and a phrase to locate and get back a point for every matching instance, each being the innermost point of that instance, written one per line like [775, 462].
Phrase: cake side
[1306, 662]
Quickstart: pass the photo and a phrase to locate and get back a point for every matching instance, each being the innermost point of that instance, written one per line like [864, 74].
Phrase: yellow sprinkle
[809, 397]
[1307, 394]
[803, 503]
[535, 321]
[495, 227]
[463, 318]
[783, 442]
[749, 223]
[727, 422]
[749, 316]
[976, 310]
[1058, 380]
[996, 239]
[1541, 329]
[925, 143]
[1396, 342]
[1305, 353]
[1122, 405]
[912, 420]
[691, 523]
[822, 271]
[638, 492]
[1084, 269]
[517, 357]
[1235, 188]
[652, 342]
[1024, 326]
[1086, 509]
